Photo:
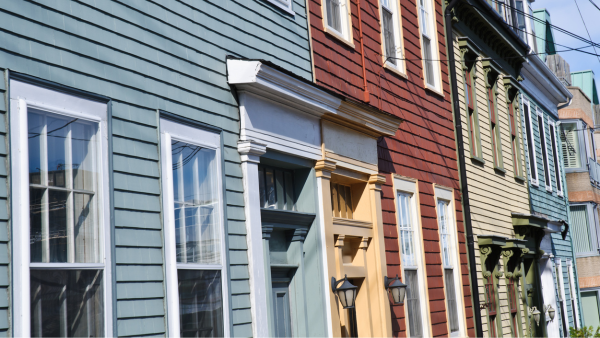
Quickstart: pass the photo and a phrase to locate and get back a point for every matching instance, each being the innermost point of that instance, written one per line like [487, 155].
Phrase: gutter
[550, 76]
[462, 169]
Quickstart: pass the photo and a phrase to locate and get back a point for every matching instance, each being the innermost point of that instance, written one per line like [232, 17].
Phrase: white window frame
[447, 195]
[396, 10]
[534, 182]
[573, 293]
[286, 5]
[169, 130]
[591, 212]
[555, 152]
[432, 36]
[407, 186]
[346, 35]
[544, 146]
[561, 290]
[23, 97]
[583, 145]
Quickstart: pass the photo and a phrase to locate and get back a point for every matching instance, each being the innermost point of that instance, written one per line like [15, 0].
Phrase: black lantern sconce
[396, 288]
[345, 292]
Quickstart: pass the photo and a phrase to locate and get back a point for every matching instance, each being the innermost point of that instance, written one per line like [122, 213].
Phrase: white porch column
[250, 152]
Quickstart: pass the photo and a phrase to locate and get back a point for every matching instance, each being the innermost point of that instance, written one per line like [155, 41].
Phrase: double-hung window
[518, 17]
[573, 145]
[512, 95]
[494, 127]
[583, 229]
[392, 34]
[60, 202]
[542, 133]
[337, 19]
[450, 260]
[428, 44]
[555, 158]
[573, 294]
[469, 80]
[283, 4]
[531, 152]
[194, 246]
[412, 260]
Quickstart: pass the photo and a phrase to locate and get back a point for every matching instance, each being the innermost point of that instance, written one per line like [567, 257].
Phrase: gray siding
[148, 56]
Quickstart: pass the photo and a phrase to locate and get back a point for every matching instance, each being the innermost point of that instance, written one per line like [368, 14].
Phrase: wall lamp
[396, 288]
[551, 311]
[345, 292]
[536, 315]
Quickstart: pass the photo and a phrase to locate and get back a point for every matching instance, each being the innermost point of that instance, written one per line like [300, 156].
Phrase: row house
[390, 55]
[131, 218]
[515, 178]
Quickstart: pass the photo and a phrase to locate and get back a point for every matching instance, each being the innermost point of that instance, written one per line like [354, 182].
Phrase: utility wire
[559, 29]
[586, 29]
[595, 4]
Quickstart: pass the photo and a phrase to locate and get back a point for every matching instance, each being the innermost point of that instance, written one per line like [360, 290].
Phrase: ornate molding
[251, 151]
[324, 168]
[490, 249]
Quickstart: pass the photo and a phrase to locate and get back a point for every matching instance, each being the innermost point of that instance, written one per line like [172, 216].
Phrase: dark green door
[281, 309]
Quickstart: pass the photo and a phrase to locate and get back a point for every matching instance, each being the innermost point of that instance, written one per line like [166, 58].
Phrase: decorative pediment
[512, 254]
[490, 248]
[512, 88]
[531, 229]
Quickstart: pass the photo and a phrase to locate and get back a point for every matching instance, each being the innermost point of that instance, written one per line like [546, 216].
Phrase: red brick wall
[424, 146]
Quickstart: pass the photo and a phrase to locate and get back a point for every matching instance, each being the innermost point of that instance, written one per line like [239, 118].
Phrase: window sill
[477, 160]
[520, 179]
[283, 7]
[338, 36]
[500, 170]
[395, 70]
[548, 189]
[433, 89]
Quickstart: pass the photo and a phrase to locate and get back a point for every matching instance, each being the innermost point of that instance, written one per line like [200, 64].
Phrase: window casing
[470, 69]
[562, 301]
[429, 44]
[573, 294]
[283, 4]
[411, 256]
[514, 136]
[450, 261]
[584, 230]
[61, 248]
[542, 134]
[555, 158]
[573, 145]
[531, 152]
[391, 30]
[194, 232]
[336, 14]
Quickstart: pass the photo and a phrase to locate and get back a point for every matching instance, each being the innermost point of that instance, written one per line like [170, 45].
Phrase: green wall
[148, 56]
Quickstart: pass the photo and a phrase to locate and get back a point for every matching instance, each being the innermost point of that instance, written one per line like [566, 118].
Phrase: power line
[586, 29]
[595, 4]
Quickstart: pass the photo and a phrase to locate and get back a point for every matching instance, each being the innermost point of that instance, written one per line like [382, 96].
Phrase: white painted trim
[561, 290]
[534, 182]
[559, 160]
[544, 146]
[168, 131]
[24, 96]
[287, 6]
[448, 196]
[546, 270]
[573, 293]
[326, 281]
[250, 153]
[433, 36]
[410, 187]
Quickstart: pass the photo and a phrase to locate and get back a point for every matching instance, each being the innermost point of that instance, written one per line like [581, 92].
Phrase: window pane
[197, 204]
[428, 61]
[85, 229]
[388, 34]
[36, 126]
[530, 144]
[57, 225]
[451, 299]
[200, 303]
[67, 303]
[289, 191]
[261, 185]
[570, 145]
[57, 132]
[444, 232]
[414, 303]
[84, 169]
[36, 207]
[271, 198]
[334, 15]
[406, 230]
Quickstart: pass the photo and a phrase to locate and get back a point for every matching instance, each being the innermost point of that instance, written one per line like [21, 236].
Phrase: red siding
[424, 146]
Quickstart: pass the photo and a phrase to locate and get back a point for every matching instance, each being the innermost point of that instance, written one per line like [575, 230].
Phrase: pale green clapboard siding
[148, 56]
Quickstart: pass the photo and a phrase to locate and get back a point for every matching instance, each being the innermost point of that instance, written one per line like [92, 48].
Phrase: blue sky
[564, 14]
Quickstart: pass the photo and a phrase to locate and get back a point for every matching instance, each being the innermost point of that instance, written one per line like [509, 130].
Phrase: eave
[259, 78]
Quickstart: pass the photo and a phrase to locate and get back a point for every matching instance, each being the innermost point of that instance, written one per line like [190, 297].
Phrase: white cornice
[539, 80]
[265, 81]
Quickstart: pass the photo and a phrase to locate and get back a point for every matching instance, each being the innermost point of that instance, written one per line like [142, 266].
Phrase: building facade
[131, 220]
[386, 54]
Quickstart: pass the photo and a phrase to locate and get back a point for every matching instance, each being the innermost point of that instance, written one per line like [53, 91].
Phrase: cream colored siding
[493, 196]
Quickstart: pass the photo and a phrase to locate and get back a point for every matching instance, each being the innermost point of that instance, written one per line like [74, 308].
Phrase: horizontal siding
[4, 213]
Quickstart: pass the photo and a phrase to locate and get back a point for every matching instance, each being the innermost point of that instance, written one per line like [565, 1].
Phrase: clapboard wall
[149, 56]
